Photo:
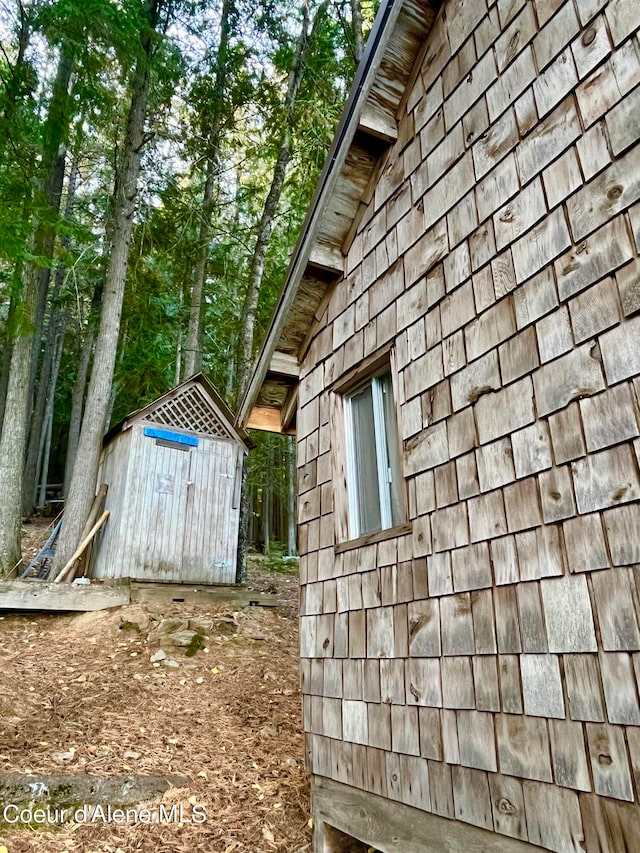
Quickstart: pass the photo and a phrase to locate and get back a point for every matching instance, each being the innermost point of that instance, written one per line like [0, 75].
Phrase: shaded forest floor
[79, 694]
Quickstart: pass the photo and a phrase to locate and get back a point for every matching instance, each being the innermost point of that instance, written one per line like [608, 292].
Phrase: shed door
[211, 527]
[160, 517]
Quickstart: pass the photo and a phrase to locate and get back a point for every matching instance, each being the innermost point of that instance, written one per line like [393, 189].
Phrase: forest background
[156, 161]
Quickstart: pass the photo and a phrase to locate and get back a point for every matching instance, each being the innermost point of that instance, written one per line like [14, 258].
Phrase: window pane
[366, 467]
[393, 451]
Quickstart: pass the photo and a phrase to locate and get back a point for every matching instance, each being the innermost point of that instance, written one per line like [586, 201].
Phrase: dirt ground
[79, 694]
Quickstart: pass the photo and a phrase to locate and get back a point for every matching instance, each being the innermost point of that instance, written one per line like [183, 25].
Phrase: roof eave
[378, 39]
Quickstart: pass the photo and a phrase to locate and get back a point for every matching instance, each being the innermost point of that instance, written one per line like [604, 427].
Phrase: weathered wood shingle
[483, 663]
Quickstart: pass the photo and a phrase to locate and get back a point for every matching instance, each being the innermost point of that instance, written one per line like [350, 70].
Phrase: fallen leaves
[94, 702]
[63, 757]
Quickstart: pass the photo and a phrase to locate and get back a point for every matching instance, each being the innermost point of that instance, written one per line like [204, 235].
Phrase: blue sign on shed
[170, 435]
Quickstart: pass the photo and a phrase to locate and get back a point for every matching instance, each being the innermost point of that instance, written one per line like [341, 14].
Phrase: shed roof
[367, 129]
[203, 411]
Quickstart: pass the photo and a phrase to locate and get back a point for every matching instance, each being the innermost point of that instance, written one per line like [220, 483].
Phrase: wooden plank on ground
[35, 595]
[150, 593]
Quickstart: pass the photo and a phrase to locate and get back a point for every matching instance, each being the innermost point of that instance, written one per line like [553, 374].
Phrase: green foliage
[279, 561]
[104, 38]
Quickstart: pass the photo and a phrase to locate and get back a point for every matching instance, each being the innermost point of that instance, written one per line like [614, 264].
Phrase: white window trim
[382, 456]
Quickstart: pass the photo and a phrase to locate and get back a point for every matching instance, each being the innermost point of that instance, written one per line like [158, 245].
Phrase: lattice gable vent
[191, 410]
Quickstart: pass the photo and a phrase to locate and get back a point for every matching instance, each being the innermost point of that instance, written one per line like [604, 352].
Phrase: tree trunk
[243, 527]
[356, 25]
[7, 346]
[37, 418]
[80, 386]
[77, 406]
[18, 399]
[194, 342]
[53, 333]
[265, 519]
[177, 373]
[44, 276]
[265, 226]
[85, 469]
[53, 191]
[192, 362]
[45, 443]
[30, 481]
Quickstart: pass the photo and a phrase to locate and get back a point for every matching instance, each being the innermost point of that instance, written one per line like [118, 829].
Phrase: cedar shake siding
[474, 668]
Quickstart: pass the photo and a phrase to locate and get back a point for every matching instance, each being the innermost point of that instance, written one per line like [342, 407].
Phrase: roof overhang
[367, 128]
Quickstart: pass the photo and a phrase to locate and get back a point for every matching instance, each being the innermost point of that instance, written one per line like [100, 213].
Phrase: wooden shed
[174, 471]
[456, 345]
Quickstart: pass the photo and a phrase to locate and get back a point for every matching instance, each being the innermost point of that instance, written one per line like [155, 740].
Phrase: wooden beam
[375, 122]
[367, 195]
[36, 595]
[328, 258]
[317, 318]
[289, 408]
[393, 827]
[284, 364]
[161, 594]
[264, 418]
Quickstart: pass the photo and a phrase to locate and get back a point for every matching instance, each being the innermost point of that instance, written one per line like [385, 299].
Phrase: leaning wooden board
[35, 595]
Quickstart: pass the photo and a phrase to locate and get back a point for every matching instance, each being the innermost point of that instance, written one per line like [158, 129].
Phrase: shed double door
[186, 530]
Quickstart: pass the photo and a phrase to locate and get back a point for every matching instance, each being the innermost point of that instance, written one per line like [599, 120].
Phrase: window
[373, 460]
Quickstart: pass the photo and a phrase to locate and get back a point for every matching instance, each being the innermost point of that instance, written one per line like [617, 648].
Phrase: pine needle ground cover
[80, 694]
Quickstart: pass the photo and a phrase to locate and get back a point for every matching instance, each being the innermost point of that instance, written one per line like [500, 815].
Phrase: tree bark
[177, 373]
[266, 504]
[30, 483]
[356, 25]
[243, 527]
[80, 386]
[7, 346]
[45, 437]
[53, 333]
[53, 191]
[77, 405]
[18, 399]
[265, 226]
[54, 329]
[194, 342]
[48, 371]
[13, 91]
[192, 356]
[44, 275]
[85, 469]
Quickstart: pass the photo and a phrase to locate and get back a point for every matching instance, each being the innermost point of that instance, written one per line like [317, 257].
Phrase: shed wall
[173, 510]
[483, 665]
[114, 467]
